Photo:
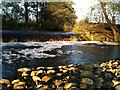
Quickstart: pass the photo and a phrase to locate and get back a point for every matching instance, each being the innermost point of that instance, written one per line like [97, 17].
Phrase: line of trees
[54, 16]
[107, 12]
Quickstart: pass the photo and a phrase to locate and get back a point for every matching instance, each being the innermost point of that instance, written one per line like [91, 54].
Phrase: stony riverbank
[96, 76]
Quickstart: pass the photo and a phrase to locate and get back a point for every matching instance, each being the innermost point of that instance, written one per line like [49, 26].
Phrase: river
[34, 54]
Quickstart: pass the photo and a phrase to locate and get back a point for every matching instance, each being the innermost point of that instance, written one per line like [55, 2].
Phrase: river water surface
[34, 54]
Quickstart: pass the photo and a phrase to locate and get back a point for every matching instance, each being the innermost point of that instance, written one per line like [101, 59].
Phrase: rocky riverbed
[98, 76]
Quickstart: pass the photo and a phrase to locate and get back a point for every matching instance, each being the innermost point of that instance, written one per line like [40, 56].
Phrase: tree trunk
[37, 15]
[110, 23]
[26, 12]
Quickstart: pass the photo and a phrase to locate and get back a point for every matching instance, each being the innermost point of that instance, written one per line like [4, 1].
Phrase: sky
[82, 7]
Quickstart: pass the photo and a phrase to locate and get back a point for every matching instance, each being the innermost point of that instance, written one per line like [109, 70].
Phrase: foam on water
[37, 52]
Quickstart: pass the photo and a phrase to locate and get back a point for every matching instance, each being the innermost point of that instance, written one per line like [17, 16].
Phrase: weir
[23, 36]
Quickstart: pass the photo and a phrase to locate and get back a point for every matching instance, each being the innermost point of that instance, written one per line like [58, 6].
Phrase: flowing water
[34, 54]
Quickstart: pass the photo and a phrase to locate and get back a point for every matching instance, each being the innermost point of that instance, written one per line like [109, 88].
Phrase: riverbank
[99, 43]
[105, 75]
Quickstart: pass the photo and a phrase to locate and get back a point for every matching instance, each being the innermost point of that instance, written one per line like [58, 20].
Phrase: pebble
[117, 87]
[87, 81]
[83, 86]
[105, 75]
[46, 78]
[87, 74]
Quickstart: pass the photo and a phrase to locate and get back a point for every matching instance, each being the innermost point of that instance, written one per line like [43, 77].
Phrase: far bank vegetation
[94, 32]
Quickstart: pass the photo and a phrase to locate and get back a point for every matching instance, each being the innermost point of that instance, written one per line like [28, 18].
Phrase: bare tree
[110, 18]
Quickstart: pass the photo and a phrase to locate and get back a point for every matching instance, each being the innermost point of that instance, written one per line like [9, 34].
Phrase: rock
[117, 74]
[39, 72]
[15, 81]
[59, 74]
[98, 82]
[36, 79]
[69, 85]
[58, 82]
[87, 74]
[62, 67]
[96, 66]
[40, 68]
[103, 65]
[73, 79]
[108, 75]
[33, 73]
[24, 74]
[50, 71]
[87, 81]
[5, 81]
[115, 82]
[72, 69]
[111, 70]
[19, 88]
[39, 86]
[97, 72]
[64, 71]
[19, 84]
[115, 64]
[83, 86]
[23, 70]
[73, 88]
[49, 68]
[60, 88]
[66, 78]
[71, 65]
[117, 87]
[118, 67]
[44, 88]
[46, 78]
[87, 67]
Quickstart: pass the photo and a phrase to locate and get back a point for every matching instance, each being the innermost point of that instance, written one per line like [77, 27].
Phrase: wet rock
[50, 71]
[118, 67]
[15, 81]
[73, 79]
[69, 85]
[19, 85]
[109, 75]
[23, 70]
[19, 88]
[73, 88]
[44, 88]
[117, 74]
[58, 82]
[39, 86]
[60, 88]
[98, 82]
[45, 78]
[5, 82]
[111, 70]
[36, 79]
[96, 66]
[71, 65]
[117, 87]
[83, 86]
[87, 74]
[87, 77]
[87, 81]
[115, 82]
[87, 67]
